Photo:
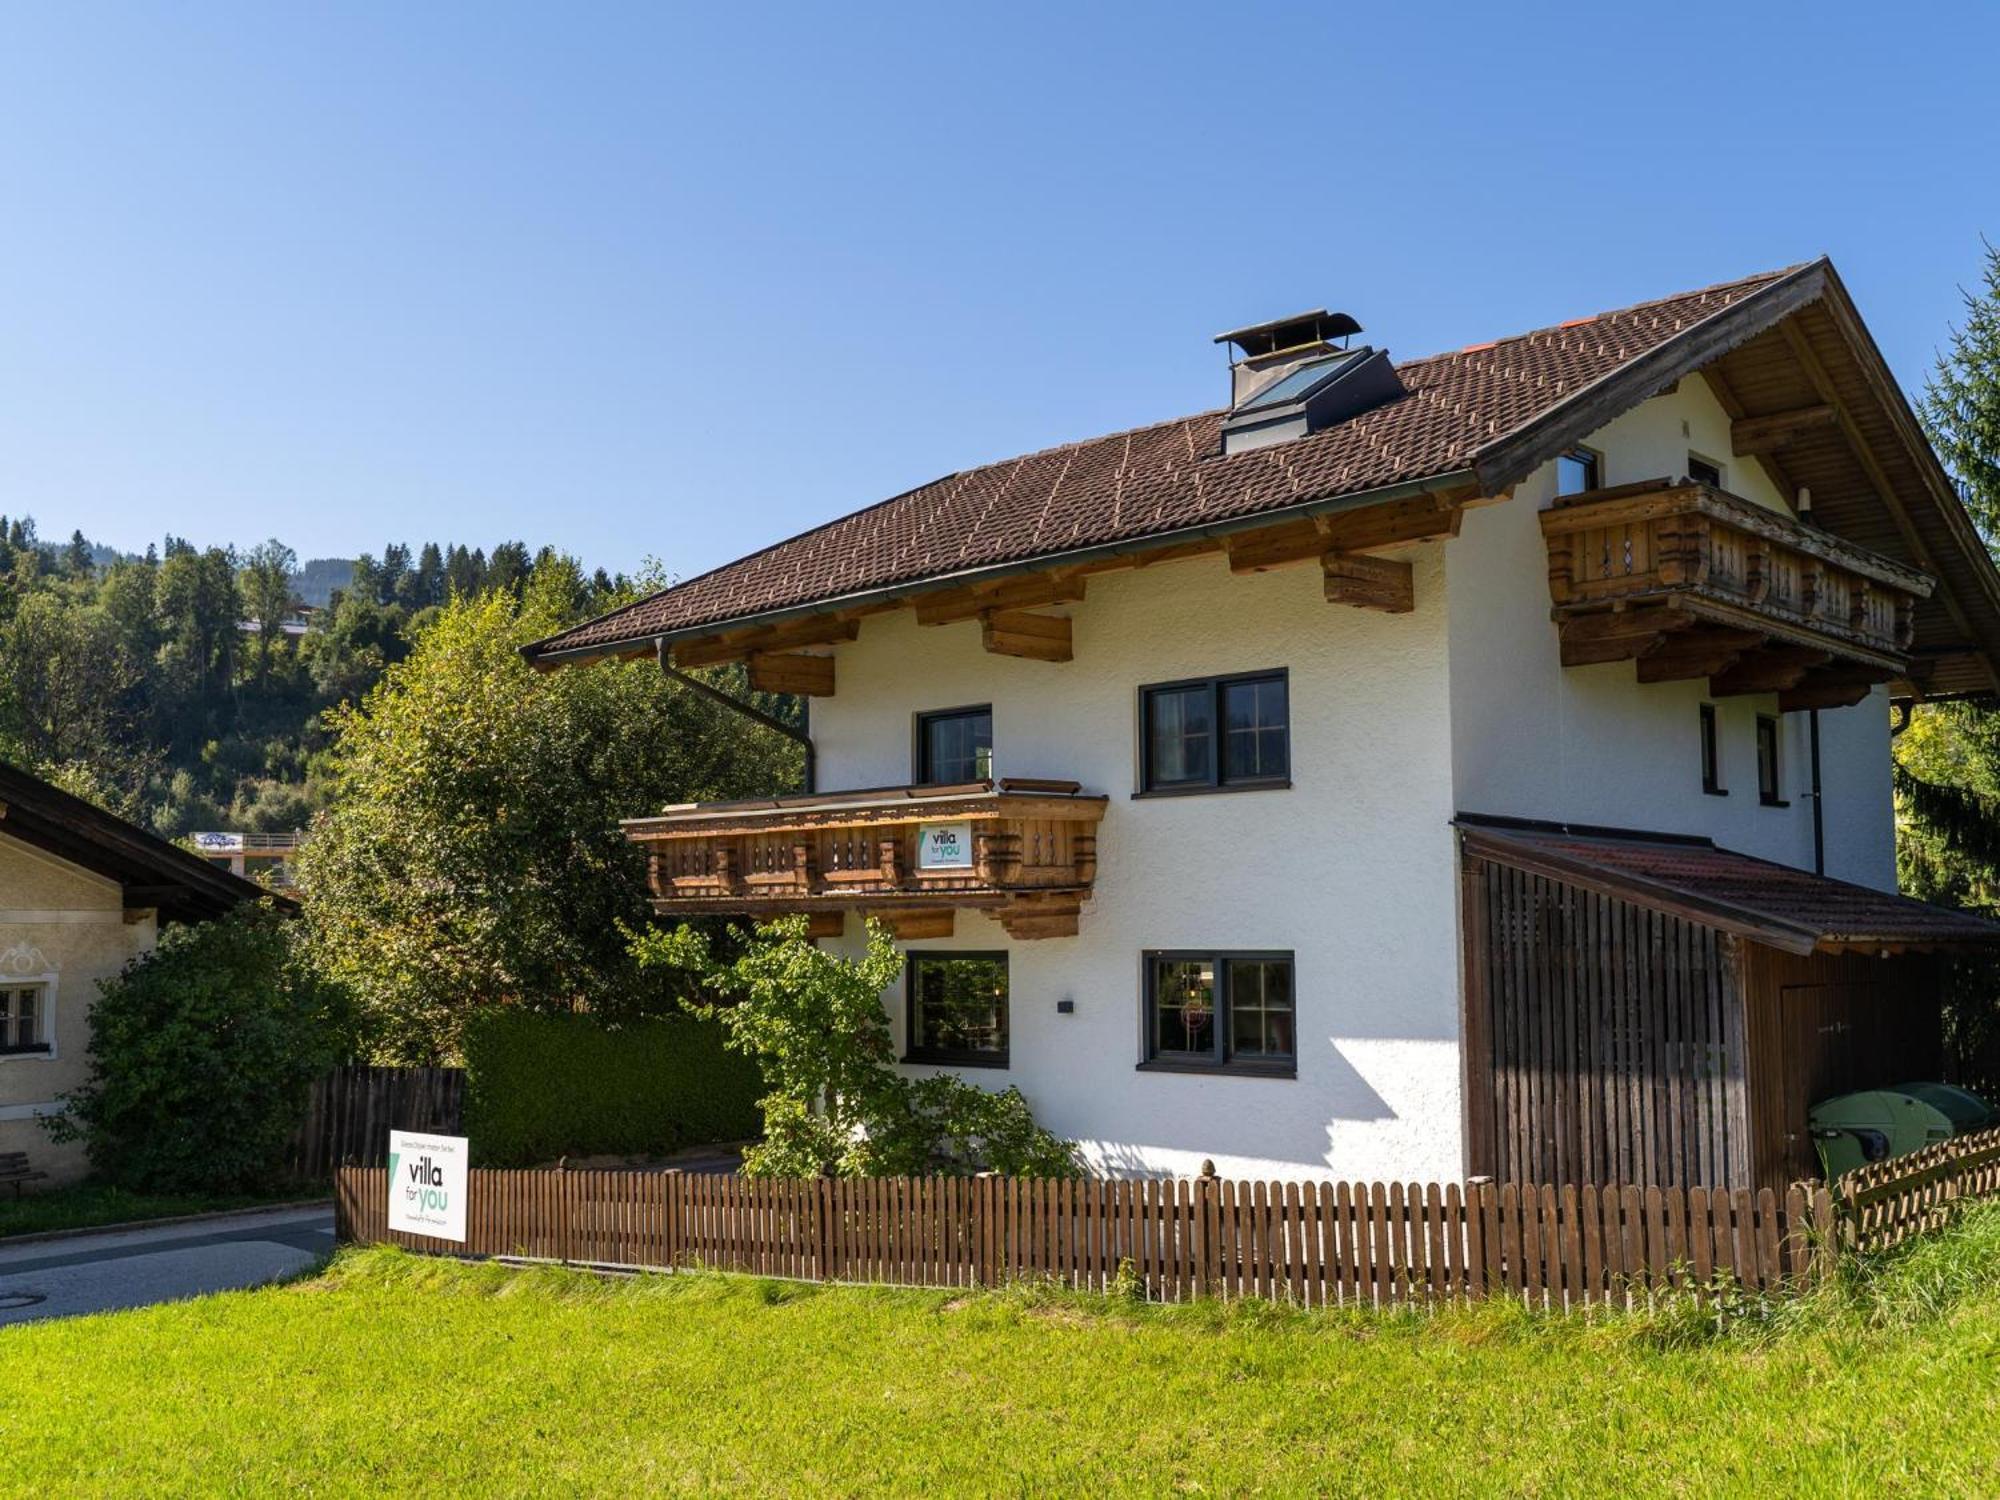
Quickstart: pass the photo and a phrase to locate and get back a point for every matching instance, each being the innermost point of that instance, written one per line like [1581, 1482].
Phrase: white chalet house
[1469, 765]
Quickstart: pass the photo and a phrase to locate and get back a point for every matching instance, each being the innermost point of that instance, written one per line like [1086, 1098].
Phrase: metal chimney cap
[1316, 327]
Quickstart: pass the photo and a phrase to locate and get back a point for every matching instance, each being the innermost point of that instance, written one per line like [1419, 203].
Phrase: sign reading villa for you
[427, 1181]
[944, 846]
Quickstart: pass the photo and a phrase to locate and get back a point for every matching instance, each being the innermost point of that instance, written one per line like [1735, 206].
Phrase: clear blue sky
[680, 282]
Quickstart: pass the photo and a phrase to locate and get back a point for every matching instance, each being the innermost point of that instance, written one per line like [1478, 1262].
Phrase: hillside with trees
[185, 688]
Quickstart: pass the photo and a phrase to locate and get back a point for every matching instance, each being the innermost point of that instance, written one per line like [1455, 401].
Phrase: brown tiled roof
[1154, 481]
[1773, 903]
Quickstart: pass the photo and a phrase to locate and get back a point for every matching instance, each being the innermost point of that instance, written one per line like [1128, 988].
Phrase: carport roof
[1787, 908]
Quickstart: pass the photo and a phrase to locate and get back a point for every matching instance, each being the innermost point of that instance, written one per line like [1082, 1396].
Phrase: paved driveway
[101, 1272]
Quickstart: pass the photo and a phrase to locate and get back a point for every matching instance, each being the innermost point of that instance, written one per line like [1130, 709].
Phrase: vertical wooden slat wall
[352, 1109]
[1609, 1039]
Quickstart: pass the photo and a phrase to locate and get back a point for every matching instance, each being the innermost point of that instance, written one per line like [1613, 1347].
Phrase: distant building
[263, 857]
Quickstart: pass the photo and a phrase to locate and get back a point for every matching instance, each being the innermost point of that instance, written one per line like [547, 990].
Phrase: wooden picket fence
[352, 1110]
[1316, 1244]
[1889, 1201]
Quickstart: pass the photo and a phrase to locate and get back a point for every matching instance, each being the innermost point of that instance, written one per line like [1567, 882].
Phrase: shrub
[836, 1104]
[202, 1053]
[539, 1086]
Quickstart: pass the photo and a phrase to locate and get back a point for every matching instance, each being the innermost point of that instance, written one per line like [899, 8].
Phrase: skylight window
[1299, 383]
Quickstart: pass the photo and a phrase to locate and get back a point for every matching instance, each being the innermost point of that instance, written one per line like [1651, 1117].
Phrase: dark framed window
[1226, 1011]
[1770, 763]
[1578, 470]
[1215, 734]
[955, 745]
[24, 1019]
[1704, 471]
[1711, 754]
[957, 1009]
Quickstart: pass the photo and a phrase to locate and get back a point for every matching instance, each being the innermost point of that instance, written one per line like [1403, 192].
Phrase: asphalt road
[103, 1272]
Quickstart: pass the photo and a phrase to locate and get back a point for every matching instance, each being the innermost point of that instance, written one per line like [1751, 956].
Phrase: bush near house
[202, 1053]
[542, 1086]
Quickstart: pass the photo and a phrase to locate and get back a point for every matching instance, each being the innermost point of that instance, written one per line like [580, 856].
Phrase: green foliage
[201, 1056]
[1961, 403]
[472, 854]
[540, 1087]
[815, 1022]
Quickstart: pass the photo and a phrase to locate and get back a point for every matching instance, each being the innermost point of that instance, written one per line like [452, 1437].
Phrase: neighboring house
[1414, 769]
[82, 893]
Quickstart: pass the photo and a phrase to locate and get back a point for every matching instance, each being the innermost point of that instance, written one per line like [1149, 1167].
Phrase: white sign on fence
[944, 846]
[427, 1183]
[219, 843]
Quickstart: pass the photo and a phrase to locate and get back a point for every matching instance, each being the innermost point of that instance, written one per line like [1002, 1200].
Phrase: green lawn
[90, 1203]
[393, 1373]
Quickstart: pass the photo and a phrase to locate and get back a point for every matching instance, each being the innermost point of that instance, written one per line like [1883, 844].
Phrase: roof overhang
[1792, 910]
[151, 873]
[1449, 487]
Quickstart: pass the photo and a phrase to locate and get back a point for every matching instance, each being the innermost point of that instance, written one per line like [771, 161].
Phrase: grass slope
[392, 1373]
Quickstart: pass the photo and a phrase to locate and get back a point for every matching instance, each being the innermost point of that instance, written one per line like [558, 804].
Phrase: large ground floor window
[1221, 1011]
[957, 1009]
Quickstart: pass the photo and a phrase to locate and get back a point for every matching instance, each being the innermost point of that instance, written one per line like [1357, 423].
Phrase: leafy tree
[268, 593]
[815, 1023]
[66, 683]
[77, 560]
[471, 852]
[201, 1055]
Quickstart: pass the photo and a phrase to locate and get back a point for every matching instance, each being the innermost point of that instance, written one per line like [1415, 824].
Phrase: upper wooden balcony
[1690, 581]
[1025, 851]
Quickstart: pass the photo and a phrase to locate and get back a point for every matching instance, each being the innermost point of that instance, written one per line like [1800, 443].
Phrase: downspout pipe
[1818, 799]
[749, 711]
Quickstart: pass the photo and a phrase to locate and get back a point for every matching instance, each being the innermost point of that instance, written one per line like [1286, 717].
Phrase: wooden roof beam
[792, 672]
[1014, 632]
[1033, 592]
[1379, 583]
[739, 645]
[1766, 434]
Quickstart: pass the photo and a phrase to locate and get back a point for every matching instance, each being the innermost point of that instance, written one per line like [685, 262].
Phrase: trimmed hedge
[539, 1087]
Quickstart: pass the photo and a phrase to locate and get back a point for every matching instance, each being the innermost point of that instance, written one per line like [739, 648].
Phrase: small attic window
[1578, 470]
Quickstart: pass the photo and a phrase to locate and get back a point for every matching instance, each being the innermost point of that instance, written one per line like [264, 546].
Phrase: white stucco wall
[1350, 868]
[1594, 745]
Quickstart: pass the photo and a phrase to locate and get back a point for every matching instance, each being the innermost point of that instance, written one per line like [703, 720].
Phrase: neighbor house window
[955, 745]
[1711, 754]
[1215, 734]
[1769, 765]
[1578, 470]
[24, 1019]
[958, 1008]
[1704, 471]
[1221, 1010]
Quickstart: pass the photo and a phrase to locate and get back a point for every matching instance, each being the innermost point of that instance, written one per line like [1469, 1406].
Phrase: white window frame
[46, 983]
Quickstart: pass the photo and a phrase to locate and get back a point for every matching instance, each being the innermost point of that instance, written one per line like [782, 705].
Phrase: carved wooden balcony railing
[1690, 581]
[1024, 851]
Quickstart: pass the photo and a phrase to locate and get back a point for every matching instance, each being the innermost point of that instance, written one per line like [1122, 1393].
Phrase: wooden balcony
[1023, 851]
[1690, 581]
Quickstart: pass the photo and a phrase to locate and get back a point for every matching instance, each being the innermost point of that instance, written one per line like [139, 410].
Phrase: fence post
[1204, 1189]
[562, 1210]
[826, 1234]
